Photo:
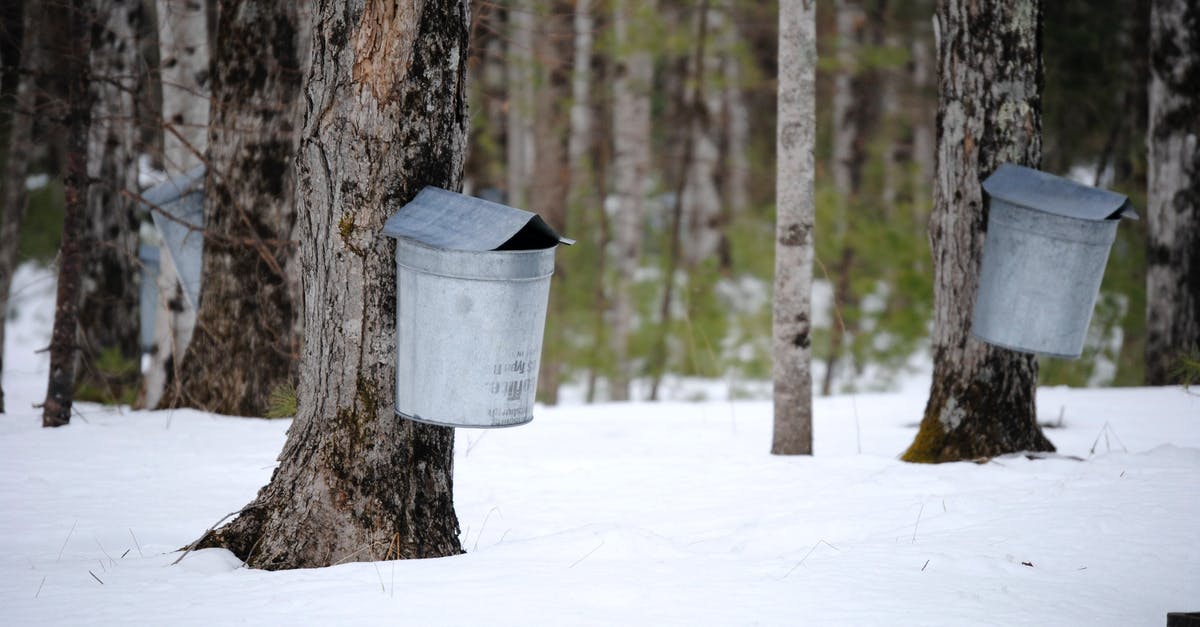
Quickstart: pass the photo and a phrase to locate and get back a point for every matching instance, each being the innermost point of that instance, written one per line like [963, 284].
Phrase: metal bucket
[469, 333]
[1040, 278]
[182, 197]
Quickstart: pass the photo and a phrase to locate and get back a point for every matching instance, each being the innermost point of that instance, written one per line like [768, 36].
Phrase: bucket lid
[453, 221]
[1040, 191]
[180, 222]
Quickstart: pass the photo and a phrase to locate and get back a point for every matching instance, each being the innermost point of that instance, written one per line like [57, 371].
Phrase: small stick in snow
[923, 567]
[589, 554]
[484, 525]
[135, 543]
[125, 553]
[64, 546]
[810, 552]
[110, 559]
[191, 547]
[95, 577]
[914, 538]
[39, 590]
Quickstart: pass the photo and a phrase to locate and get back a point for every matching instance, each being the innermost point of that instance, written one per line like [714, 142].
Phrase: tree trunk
[109, 323]
[184, 73]
[794, 213]
[1173, 189]
[384, 116]
[16, 165]
[982, 400]
[246, 344]
[519, 126]
[549, 188]
[851, 94]
[64, 344]
[631, 165]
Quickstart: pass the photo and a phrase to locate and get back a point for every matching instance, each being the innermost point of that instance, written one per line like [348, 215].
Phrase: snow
[638, 513]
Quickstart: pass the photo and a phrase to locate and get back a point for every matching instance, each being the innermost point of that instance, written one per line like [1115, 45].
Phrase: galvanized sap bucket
[182, 198]
[472, 285]
[1048, 240]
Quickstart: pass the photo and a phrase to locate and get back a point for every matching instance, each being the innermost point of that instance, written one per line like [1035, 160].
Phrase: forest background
[552, 131]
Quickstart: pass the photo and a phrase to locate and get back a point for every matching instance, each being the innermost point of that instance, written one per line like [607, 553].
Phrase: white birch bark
[795, 204]
[581, 111]
[1173, 199]
[701, 198]
[631, 163]
[737, 126]
[183, 67]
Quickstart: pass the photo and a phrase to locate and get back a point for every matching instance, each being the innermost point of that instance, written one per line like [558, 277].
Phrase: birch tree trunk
[794, 214]
[580, 137]
[184, 74]
[109, 323]
[72, 60]
[246, 342]
[16, 165]
[519, 127]
[384, 116]
[1173, 256]
[631, 164]
[982, 401]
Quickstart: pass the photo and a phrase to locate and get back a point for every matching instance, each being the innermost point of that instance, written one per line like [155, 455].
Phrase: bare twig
[922, 511]
[191, 547]
[95, 577]
[64, 545]
[135, 542]
[589, 554]
[39, 590]
[810, 552]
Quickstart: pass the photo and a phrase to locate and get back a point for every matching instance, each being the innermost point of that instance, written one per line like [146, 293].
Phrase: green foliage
[1187, 367]
[282, 402]
[112, 379]
[42, 228]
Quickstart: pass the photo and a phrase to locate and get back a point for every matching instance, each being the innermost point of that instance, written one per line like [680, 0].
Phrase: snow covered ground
[621, 514]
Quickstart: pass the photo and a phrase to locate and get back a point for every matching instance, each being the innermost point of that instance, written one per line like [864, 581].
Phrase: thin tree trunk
[794, 213]
[631, 164]
[549, 188]
[384, 116]
[109, 323]
[519, 127]
[923, 121]
[246, 343]
[184, 74]
[852, 115]
[16, 165]
[1173, 188]
[982, 400]
[64, 344]
[690, 200]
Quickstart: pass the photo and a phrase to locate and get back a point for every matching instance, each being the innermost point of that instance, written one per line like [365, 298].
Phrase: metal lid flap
[175, 187]
[1037, 190]
[453, 221]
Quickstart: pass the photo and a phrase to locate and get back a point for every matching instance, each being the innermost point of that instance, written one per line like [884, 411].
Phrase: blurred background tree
[674, 212]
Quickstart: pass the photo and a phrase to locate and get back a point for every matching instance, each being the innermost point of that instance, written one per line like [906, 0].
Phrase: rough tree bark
[72, 60]
[246, 343]
[16, 165]
[384, 115]
[794, 213]
[982, 401]
[1173, 254]
[631, 164]
[109, 325]
[184, 70]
